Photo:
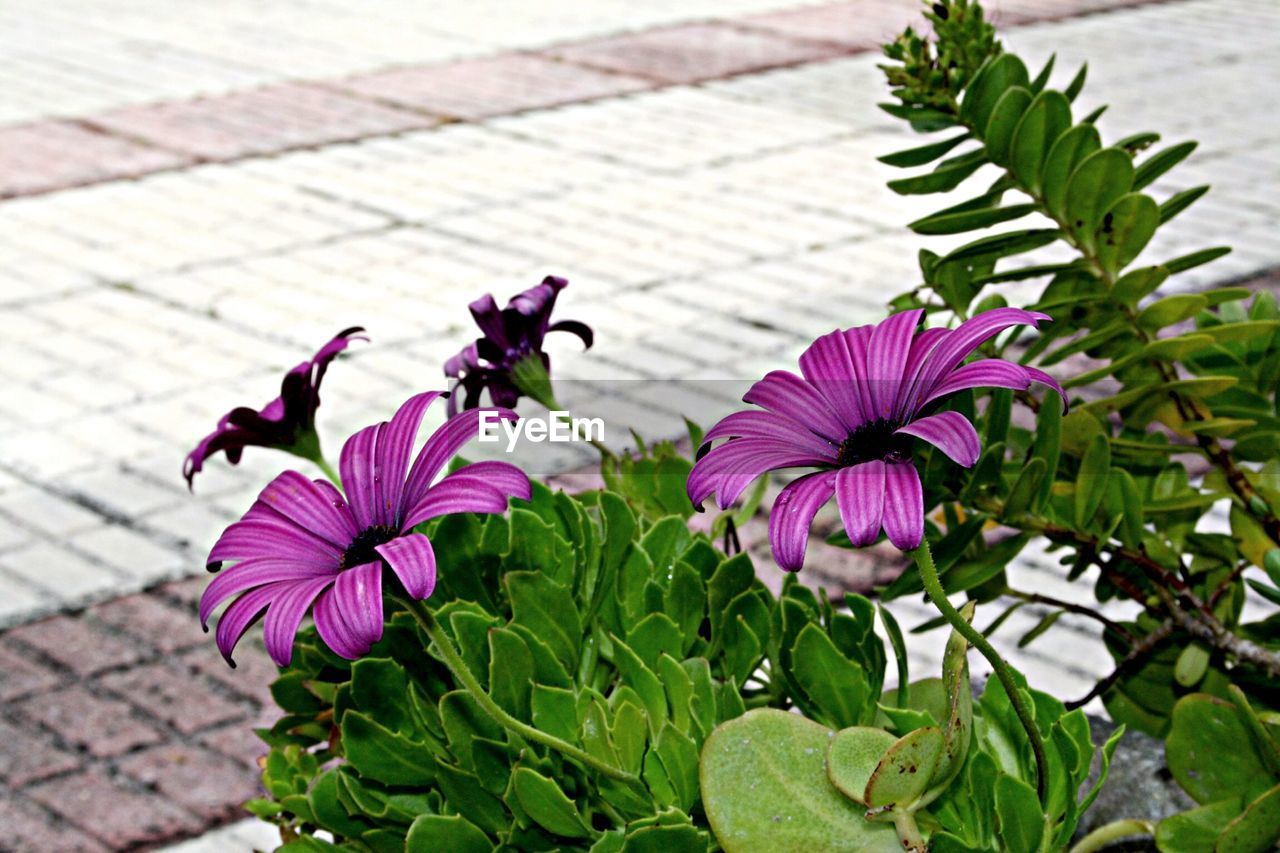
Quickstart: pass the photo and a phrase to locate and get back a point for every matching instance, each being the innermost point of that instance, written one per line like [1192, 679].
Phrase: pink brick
[28, 829]
[858, 25]
[211, 785]
[101, 726]
[479, 88]
[78, 645]
[262, 121]
[53, 155]
[149, 618]
[114, 810]
[252, 676]
[175, 695]
[20, 675]
[694, 52]
[29, 755]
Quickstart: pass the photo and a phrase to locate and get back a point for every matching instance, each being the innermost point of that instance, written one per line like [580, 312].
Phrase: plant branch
[1136, 654]
[458, 667]
[933, 587]
[1079, 609]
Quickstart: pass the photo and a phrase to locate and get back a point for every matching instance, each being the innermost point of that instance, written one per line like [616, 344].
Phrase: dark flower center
[361, 550]
[871, 441]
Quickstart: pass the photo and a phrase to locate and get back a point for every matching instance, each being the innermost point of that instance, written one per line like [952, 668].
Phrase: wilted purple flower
[512, 336]
[287, 422]
[863, 395]
[302, 542]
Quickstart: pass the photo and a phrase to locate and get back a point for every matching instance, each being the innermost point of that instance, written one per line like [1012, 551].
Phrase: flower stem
[908, 833]
[1104, 835]
[932, 586]
[458, 667]
[324, 466]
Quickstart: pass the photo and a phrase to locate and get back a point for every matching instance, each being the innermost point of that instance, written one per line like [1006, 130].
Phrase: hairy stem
[453, 660]
[1105, 835]
[933, 587]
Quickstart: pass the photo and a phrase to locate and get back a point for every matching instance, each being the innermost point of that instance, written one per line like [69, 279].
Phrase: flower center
[361, 550]
[871, 441]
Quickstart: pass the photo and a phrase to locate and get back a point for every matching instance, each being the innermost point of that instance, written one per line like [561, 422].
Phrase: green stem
[324, 466]
[932, 586]
[458, 667]
[1104, 835]
[908, 833]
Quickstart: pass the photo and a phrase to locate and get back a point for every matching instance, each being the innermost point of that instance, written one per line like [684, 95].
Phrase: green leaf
[1077, 83]
[1000, 74]
[384, 755]
[555, 710]
[1071, 149]
[1171, 310]
[1019, 815]
[1138, 142]
[1197, 830]
[835, 684]
[946, 177]
[790, 805]
[1027, 487]
[1125, 231]
[1257, 828]
[1179, 202]
[546, 804]
[1091, 482]
[1046, 622]
[546, 608]
[894, 632]
[1048, 117]
[1210, 751]
[1193, 663]
[1195, 259]
[510, 672]
[970, 220]
[921, 155]
[431, 833]
[905, 770]
[641, 679]
[1096, 184]
[1003, 122]
[1042, 79]
[1003, 245]
[1135, 284]
[1159, 163]
[853, 755]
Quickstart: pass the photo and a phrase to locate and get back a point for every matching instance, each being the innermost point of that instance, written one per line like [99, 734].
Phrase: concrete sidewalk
[707, 187]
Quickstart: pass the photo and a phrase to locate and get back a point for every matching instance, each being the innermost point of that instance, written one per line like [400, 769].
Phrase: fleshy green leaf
[1096, 184]
[1048, 117]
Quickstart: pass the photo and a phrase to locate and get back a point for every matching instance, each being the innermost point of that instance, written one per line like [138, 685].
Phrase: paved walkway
[701, 207]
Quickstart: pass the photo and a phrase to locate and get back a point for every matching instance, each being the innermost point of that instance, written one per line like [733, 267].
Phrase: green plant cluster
[1174, 412]
[600, 619]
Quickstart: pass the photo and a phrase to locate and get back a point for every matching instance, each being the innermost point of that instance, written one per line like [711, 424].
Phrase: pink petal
[728, 469]
[395, 443]
[349, 616]
[263, 532]
[242, 613]
[414, 563]
[248, 574]
[828, 366]
[887, 354]
[792, 516]
[358, 468]
[860, 497]
[903, 506]
[787, 395]
[754, 424]
[442, 446]
[285, 615]
[478, 487]
[950, 432]
[300, 500]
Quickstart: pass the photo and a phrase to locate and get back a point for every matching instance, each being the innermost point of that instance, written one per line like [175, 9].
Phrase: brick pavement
[705, 228]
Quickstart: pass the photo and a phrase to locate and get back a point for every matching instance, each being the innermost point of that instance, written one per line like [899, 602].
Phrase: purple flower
[512, 338]
[303, 544]
[287, 422]
[864, 394]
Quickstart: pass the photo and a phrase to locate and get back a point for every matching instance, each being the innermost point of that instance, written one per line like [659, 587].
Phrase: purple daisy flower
[288, 422]
[864, 394]
[303, 544]
[513, 337]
